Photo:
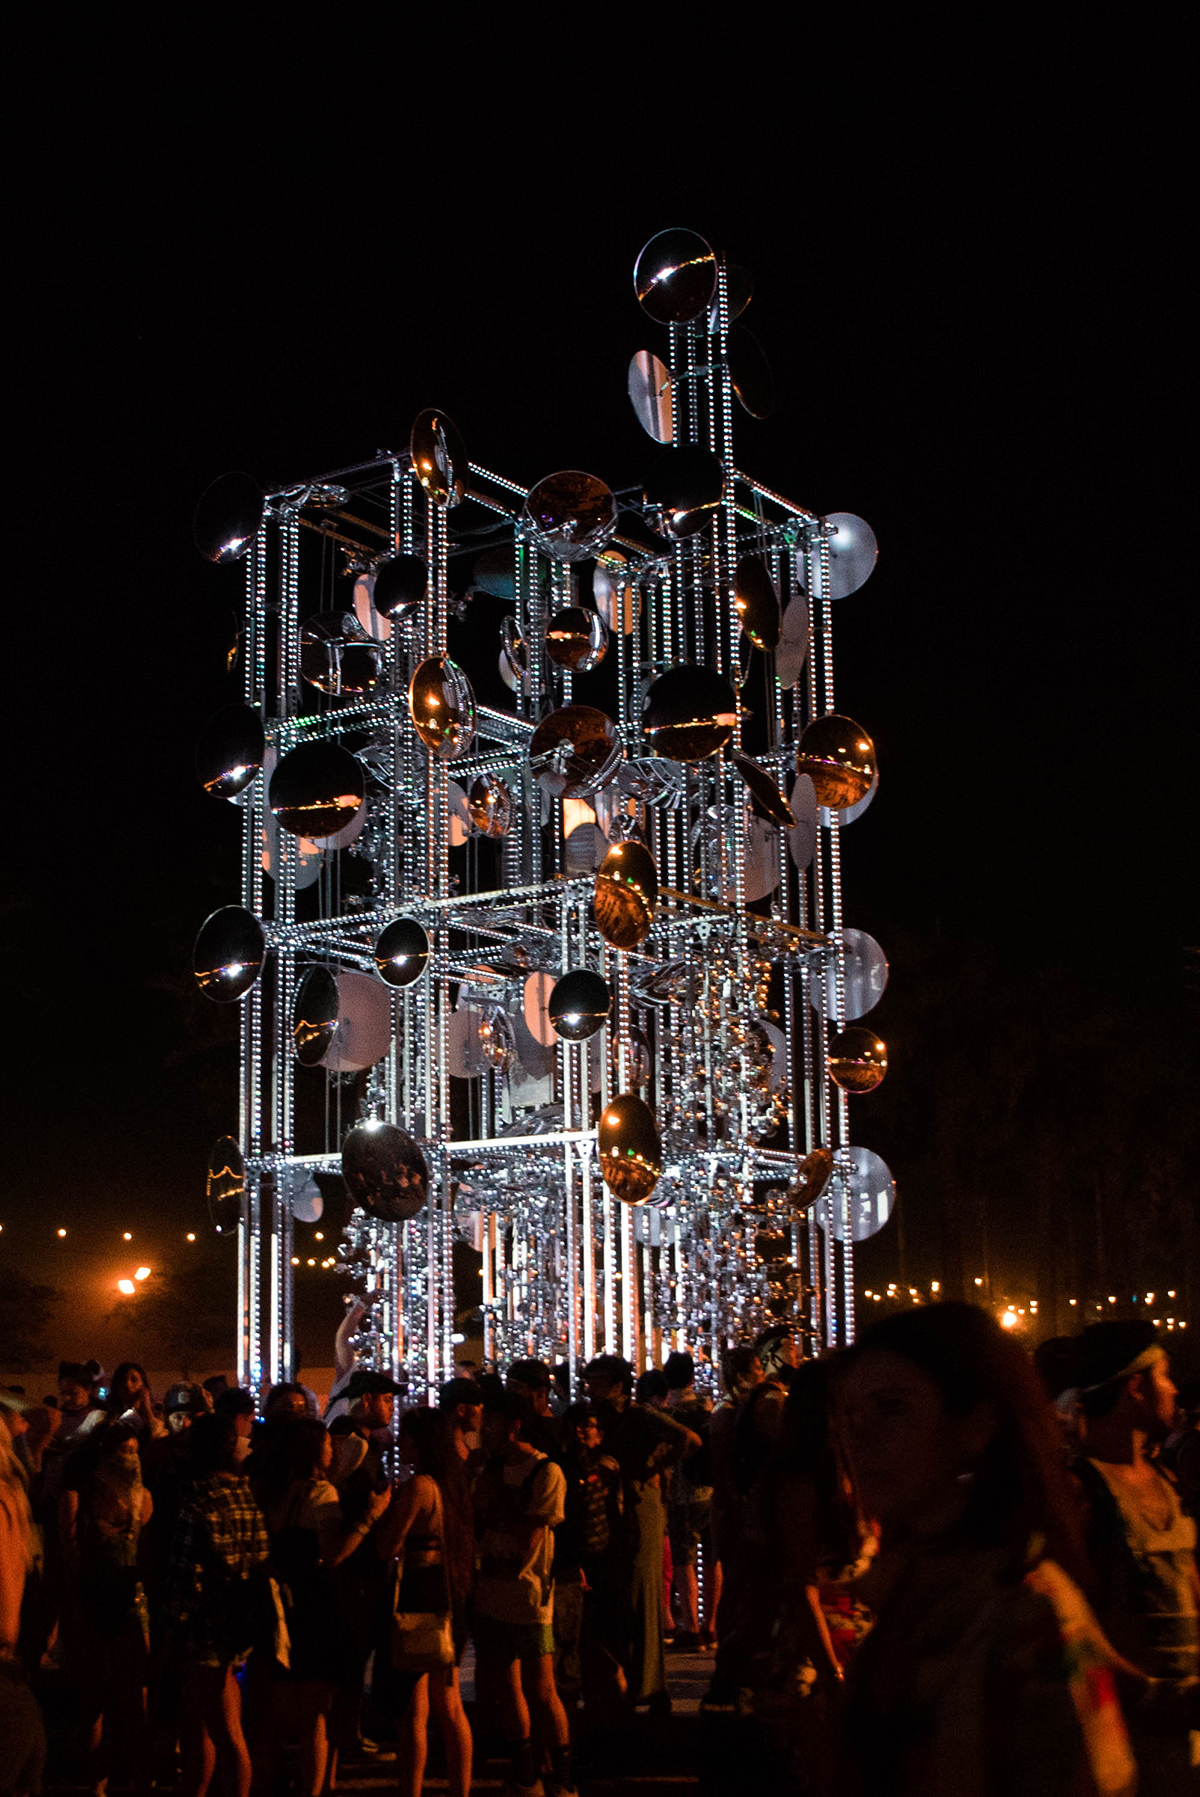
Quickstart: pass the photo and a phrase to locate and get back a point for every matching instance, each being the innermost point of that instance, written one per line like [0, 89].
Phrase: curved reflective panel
[464, 1049]
[495, 572]
[537, 1059]
[864, 978]
[576, 638]
[857, 1059]
[792, 652]
[228, 954]
[226, 1186]
[802, 840]
[514, 646]
[650, 396]
[739, 291]
[442, 707]
[458, 815]
[401, 586]
[439, 458]
[687, 483]
[307, 1199]
[630, 1148]
[633, 529]
[340, 1020]
[638, 1065]
[852, 554]
[617, 595]
[508, 673]
[373, 622]
[689, 714]
[489, 803]
[314, 1016]
[762, 871]
[757, 603]
[576, 750]
[863, 1181]
[535, 1000]
[584, 850]
[230, 751]
[839, 758]
[337, 655]
[750, 372]
[675, 276]
[402, 952]
[812, 1176]
[572, 515]
[385, 1171]
[316, 789]
[227, 518]
[852, 812]
[768, 799]
[498, 1041]
[580, 1004]
[626, 894]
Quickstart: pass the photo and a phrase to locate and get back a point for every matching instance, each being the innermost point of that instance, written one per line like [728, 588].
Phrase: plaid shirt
[219, 1541]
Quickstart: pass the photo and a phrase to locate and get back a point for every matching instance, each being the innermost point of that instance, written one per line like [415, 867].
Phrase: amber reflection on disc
[857, 1059]
[575, 751]
[572, 515]
[630, 1148]
[689, 714]
[626, 894]
[577, 639]
[385, 1171]
[441, 704]
[839, 758]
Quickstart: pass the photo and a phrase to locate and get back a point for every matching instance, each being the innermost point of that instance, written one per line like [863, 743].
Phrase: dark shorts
[504, 1642]
[689, 1528]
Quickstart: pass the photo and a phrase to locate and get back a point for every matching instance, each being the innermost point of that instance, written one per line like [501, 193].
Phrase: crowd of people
[925, 1564]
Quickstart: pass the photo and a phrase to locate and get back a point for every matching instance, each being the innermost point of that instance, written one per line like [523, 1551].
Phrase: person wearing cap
[1141, 1544]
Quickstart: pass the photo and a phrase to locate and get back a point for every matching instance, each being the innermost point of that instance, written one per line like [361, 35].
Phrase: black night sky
[970, 285]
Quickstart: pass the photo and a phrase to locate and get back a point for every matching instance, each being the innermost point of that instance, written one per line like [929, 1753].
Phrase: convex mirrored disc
[857, 1059]
[385, 1171]
[316, 789]
[675, 276]
[495, 572]
[342, 1020]
[442, 707]
[337, 655]
[802, 839]
[839, 758]
[228, 954]
[864, 980]
[439, 458]
[489, 804]
[227, 518]
[852, 812]
[226, 1186]
[230, 751]
[575, 751]
[768, 800]
[579, 1004]
[852, 554]
[812, 1177]
[750, 373]
[402, 952]
[757, 602]
[571, 514]
[869, 1189]
[535, 1001]
[576, 638]
[650, 396]
[792, 652]
[689, 714]
[630, 1148]
[687, 483]
[401, 586]
[307, 1200]
[626, 894]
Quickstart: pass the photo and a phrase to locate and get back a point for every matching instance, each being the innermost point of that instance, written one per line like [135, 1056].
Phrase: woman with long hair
[986, 1673]
[429, 1528]
[131, 1401]
[304, 1520]
[105, 1619]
